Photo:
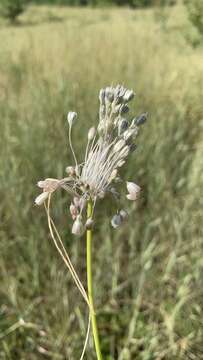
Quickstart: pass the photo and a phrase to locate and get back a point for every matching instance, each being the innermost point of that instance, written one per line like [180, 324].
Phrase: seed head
[108, 149]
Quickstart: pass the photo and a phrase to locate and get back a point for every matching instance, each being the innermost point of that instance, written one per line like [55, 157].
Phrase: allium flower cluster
[108, 148]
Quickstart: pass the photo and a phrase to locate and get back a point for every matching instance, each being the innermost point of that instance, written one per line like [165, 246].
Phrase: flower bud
[109, 94]
[91, 133]
[124, 109]
[73, 211]
[41, 198]
[113, 175]
[133, 190]
[78, 227]
[116, 221]
[89, 223]
[141, 119]
[129, 95]
[71, 117]
[122, 126]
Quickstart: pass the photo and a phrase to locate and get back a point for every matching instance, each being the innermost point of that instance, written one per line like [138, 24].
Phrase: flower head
[108, 148]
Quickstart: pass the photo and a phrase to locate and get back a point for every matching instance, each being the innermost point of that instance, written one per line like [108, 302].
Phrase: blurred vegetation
[195, 11]
[148, 275]
[131, 3]
[11, 9]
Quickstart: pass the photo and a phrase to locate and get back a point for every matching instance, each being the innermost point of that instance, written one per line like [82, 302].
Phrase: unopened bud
[122, 126]
[113, 175]
[73, 211]
[91, 133]
[78, 228]
[41, 198]
[89, 223]
[124, 109]
[133, 190]
[71, 117]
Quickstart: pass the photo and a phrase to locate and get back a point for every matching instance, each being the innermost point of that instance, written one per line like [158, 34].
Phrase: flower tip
[40, 199]
[78, 228]
[91, 133]
[71, 117]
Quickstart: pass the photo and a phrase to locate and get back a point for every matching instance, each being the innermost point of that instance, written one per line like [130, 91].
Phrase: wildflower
[108, 148]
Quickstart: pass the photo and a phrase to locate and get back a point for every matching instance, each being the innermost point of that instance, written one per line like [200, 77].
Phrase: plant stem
[90, 286]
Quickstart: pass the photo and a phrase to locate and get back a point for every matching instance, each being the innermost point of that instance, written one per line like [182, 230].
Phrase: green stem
[90, 286]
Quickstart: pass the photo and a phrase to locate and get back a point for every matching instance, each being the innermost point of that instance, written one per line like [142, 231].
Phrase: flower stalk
[90, 286]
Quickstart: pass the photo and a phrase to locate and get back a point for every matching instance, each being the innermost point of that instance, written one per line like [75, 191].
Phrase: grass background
[148, 275]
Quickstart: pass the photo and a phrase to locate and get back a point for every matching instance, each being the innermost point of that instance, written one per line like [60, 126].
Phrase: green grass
[148, 275]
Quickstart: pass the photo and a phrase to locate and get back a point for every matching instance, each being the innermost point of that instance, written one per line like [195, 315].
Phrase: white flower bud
[113, 175]
[78, 228]
[41, 198]
[71, 117]
[133, 190]
[91, 133]
[121, 163]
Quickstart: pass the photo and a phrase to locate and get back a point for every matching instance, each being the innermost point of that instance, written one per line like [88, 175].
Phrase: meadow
[148, 274]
